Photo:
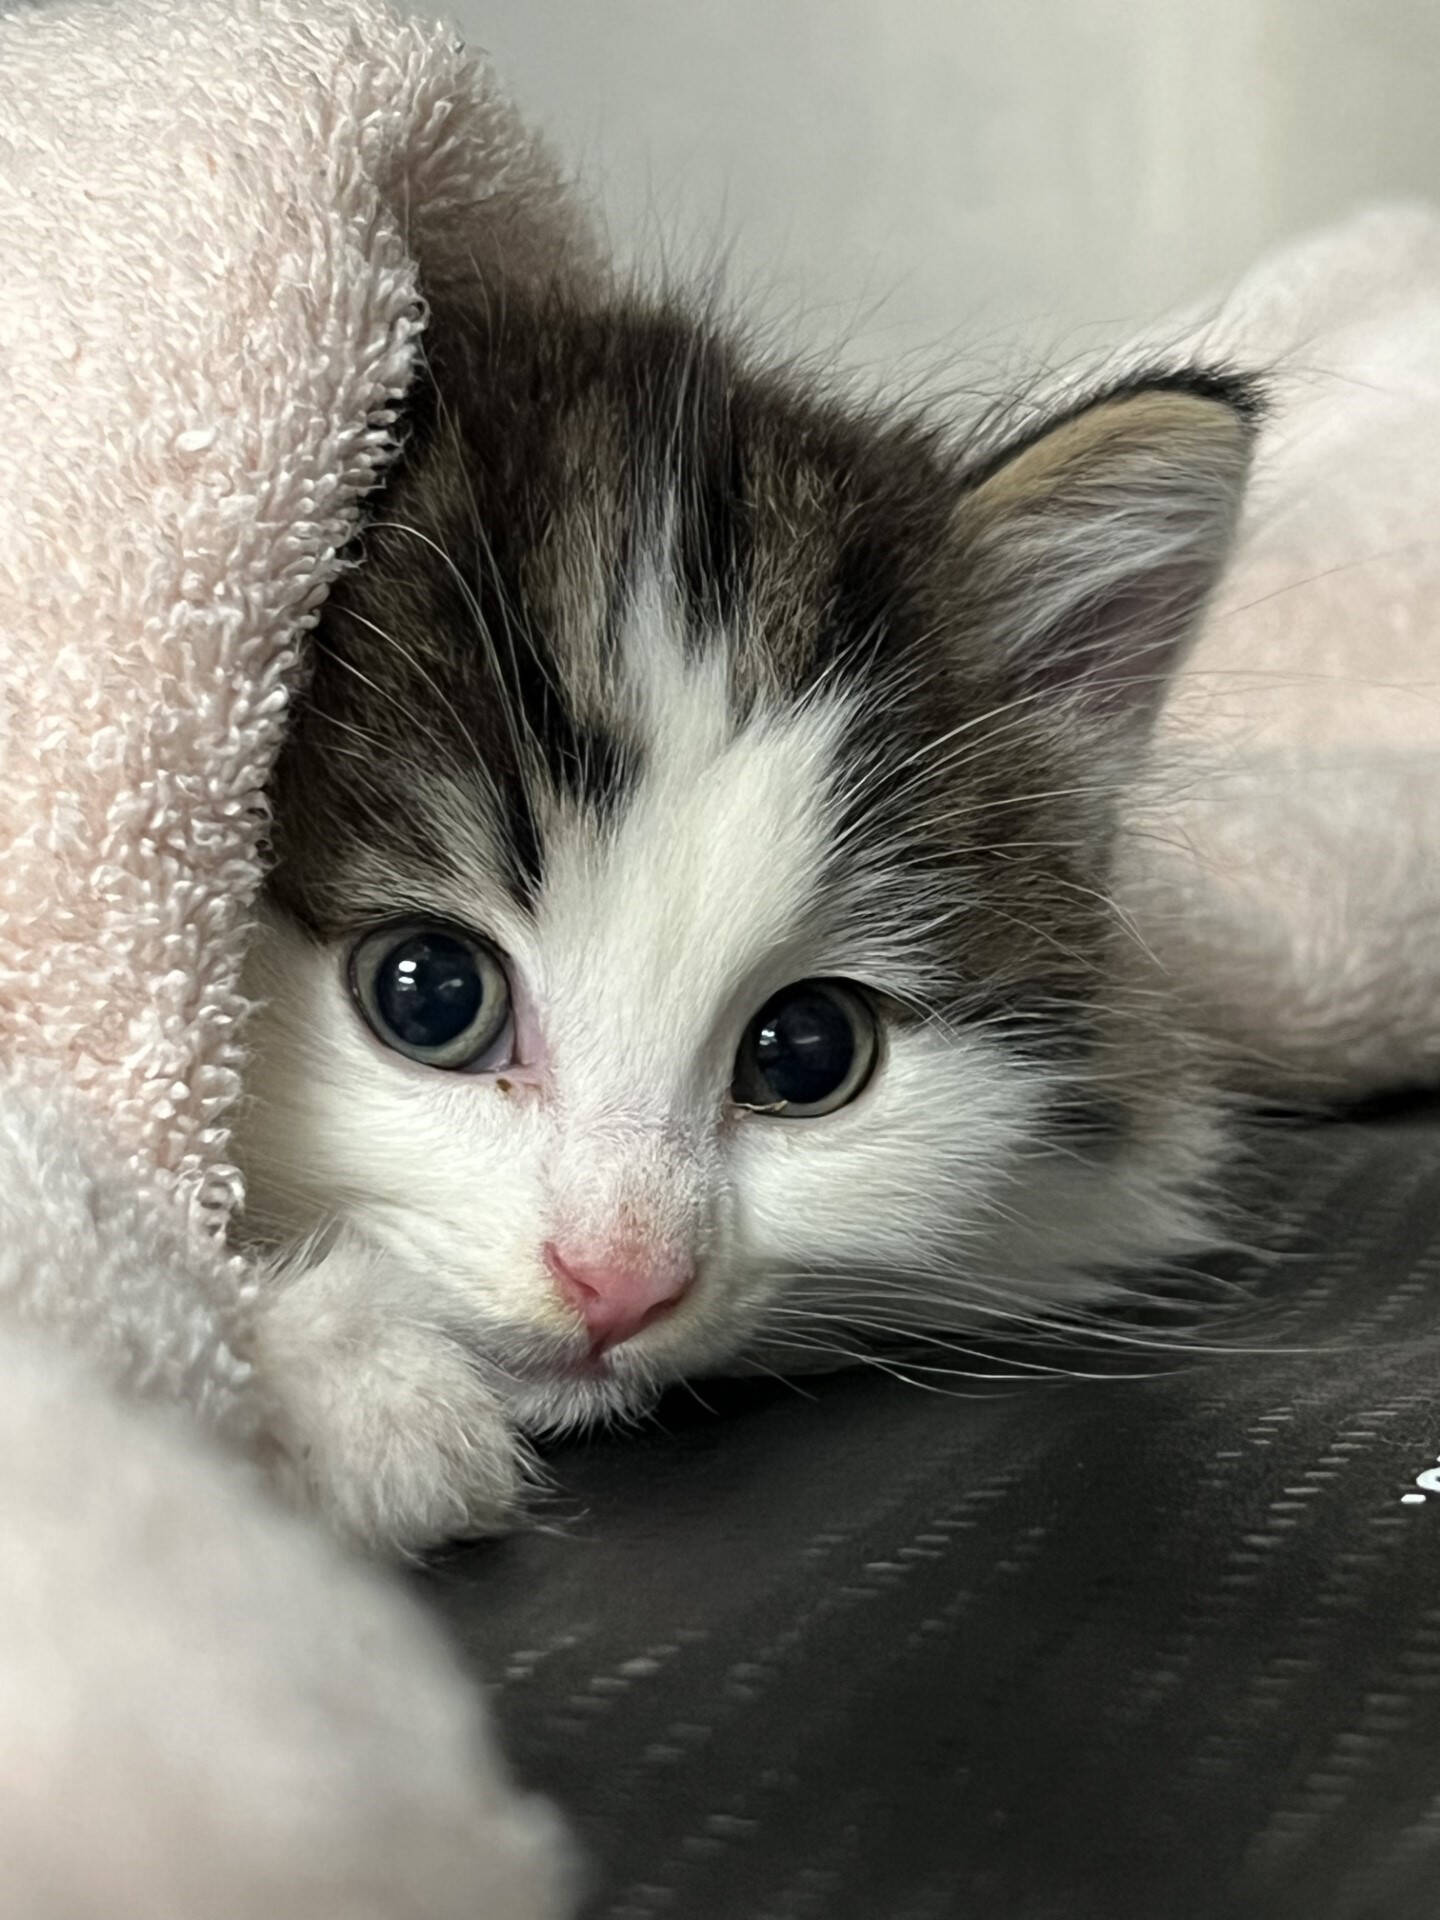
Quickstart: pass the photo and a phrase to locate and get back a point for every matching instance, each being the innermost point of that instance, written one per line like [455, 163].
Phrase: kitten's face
[690, 923]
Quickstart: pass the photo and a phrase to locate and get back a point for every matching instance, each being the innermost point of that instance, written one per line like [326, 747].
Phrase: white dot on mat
[1412, 1499]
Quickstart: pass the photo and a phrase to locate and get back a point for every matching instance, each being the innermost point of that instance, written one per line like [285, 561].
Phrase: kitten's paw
[380, 1420]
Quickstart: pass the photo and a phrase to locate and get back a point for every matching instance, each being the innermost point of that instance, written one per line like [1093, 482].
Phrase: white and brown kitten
[690, 930]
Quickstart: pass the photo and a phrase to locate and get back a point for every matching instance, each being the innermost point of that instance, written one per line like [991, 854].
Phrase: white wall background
[947, 176]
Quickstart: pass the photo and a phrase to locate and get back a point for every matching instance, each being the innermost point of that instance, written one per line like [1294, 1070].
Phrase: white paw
[380, 1419]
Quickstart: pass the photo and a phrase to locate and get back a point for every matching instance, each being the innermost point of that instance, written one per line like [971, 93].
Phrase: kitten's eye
[436, 994]
[810, 1049]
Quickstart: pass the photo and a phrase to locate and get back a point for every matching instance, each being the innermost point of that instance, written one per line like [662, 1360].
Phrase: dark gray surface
[1156, 1647]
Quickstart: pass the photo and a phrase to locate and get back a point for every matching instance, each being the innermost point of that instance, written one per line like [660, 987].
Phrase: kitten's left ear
[1092, 547]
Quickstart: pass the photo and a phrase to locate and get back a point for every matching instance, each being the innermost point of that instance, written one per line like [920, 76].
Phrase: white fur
[924, 1204]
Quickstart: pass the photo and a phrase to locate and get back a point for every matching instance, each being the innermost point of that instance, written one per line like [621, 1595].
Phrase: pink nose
[616, 1298]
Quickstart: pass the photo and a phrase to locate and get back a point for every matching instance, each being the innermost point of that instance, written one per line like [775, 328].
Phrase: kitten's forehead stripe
[680, 683]
[581, 461]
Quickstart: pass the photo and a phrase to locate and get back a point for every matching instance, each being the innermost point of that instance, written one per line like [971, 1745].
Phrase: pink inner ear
[618, 1291]
[1094, 550]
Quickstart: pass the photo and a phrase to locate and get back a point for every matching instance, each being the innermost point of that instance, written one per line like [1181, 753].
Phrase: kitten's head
[690, 925]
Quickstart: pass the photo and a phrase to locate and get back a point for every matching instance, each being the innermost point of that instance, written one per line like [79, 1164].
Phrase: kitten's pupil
[438, 994]
[429, 989]
[804, 1048]
[808, 1050]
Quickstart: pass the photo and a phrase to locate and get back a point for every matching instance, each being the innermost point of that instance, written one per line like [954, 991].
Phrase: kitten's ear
[1092, 547]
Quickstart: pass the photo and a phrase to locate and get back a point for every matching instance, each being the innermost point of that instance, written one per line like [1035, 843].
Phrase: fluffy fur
[680, 682]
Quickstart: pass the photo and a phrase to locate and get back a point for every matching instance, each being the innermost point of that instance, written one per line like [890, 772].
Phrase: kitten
[689, 930]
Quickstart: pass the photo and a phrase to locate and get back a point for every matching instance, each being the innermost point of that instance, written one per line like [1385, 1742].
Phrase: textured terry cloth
[214, 225]
[1292, 884]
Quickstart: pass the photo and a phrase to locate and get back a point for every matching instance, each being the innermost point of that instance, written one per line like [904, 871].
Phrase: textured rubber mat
[1162, 1646]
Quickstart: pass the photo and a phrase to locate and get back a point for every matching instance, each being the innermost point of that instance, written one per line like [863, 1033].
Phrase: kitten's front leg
[382, 1421]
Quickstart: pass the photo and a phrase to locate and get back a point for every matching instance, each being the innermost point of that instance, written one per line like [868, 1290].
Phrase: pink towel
[214, 223]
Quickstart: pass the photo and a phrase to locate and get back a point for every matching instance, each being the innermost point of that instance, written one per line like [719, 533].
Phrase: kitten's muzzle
[617, 1295]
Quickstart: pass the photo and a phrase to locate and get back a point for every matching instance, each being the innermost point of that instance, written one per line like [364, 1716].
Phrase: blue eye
[810, 1049]
[436, 994]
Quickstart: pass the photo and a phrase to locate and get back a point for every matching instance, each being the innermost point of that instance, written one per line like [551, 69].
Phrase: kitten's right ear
[1092, 546]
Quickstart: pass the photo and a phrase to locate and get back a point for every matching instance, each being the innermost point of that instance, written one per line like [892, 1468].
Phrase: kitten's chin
[564, 1401]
